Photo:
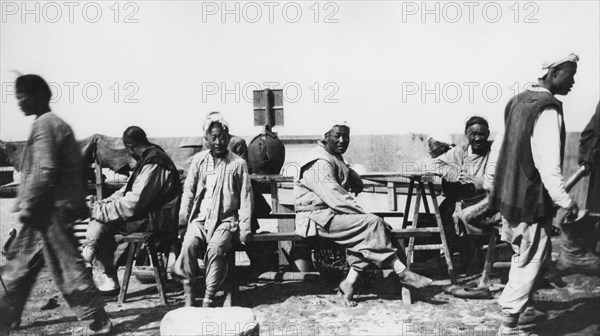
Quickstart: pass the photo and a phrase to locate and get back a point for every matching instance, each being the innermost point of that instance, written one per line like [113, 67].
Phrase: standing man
[326, 208]
[51, 198]
[576, 240]
[134, 208]
[528, 182]
[216, 207]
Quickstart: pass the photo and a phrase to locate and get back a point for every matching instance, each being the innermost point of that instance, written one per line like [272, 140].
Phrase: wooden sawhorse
[420, 184]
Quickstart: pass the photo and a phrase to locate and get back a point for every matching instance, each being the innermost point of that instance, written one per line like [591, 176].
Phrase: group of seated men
[217, 203]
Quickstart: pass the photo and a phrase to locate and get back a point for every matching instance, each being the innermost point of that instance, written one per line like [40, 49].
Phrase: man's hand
[245, 237]
[356, 183]
[569, 214]
[182, 226]
[572, 211]
[465, 178]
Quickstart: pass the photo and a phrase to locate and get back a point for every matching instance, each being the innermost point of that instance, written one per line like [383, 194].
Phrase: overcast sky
[387, 67]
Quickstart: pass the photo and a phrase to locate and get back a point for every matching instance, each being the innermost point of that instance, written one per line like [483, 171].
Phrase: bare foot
[346, 291]
[412, 279]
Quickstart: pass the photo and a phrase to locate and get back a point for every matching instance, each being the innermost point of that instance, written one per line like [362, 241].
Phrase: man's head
[337, 138]
[559, 75]
[135, 141]
[217, 137]
[439, 144]
[477, 131]
[33, 94]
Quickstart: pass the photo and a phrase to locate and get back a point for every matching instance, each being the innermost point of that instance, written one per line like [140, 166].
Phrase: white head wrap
[337, 123]
[441, 137]
[212, 117]
[553, 63]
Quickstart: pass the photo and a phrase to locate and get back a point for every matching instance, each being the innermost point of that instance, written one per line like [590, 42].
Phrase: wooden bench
[231, 288]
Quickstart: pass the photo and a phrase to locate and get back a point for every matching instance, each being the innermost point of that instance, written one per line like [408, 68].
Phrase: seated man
[153, 183]
[326, 208]
[463, 170]
[216, 206]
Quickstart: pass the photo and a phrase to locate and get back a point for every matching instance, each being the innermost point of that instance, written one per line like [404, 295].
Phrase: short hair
[135, 135]
[475, 120]
[35, 86]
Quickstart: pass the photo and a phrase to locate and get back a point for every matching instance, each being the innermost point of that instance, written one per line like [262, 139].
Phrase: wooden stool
[135, 241]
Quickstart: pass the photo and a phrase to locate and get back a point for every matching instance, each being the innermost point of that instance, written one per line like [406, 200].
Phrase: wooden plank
[281, 215]
[291, 236]
[264, 178]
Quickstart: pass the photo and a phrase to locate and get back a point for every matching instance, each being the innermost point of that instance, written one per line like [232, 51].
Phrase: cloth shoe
[110, 286]
[531, 315]
[508, 331]
[95, 329]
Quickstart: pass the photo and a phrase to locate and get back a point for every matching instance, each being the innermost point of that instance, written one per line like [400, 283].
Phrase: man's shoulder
[200, 156]
[236, 160]
[50, 122]
[49, 118]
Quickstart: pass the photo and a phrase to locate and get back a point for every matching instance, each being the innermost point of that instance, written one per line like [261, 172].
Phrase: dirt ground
[311, 307]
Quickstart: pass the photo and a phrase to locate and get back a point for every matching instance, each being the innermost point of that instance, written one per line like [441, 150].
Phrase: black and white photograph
[300, 168]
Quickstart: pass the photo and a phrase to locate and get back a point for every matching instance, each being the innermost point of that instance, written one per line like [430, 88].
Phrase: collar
[322, 144]
[538, 88]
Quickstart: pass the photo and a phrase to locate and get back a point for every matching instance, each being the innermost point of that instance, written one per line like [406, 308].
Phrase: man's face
[26, 103]
[338, 139]
[217, 140]
[131, 150]
[477, 135]
[436, 148]
[564, 78]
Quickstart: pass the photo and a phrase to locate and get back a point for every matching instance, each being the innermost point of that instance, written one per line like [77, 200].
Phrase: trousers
[64, 260]
[196, 244]
[532, 247]
[366, 238]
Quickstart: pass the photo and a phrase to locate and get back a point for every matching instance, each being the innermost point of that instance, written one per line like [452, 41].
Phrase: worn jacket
[232, 196]
[322, 191]
[52, 172]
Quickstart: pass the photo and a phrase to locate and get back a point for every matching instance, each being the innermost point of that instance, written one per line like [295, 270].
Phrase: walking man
[51, 198]
[528, 182]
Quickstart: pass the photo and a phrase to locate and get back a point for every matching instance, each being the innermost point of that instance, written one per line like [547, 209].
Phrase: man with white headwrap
[326, 208]
[236, 144]
[528, 182]
[216, 206]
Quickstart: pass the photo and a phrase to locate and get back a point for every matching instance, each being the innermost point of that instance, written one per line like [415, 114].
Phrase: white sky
[180, 56]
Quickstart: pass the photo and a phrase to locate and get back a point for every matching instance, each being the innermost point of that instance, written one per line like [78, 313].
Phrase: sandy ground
[312, 307]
